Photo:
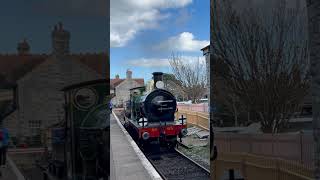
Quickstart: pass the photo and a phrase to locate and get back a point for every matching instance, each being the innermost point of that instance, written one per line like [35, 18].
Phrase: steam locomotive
[150, 116]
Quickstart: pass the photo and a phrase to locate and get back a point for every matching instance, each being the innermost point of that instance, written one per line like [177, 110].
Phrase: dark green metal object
[136, 95]
[87, 125]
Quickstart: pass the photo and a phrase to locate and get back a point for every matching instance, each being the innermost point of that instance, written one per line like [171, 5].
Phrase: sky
[145, 33]
[34, 20]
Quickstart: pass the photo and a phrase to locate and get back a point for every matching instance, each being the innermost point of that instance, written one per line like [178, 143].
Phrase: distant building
[149, 85]
[120, 88]
[37, 80]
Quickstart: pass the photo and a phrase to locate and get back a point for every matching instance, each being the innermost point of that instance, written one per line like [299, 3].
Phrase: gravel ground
[176, 167]
[200, 154]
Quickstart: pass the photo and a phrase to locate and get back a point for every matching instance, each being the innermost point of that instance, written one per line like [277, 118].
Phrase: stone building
[120, 88]
[38, 80]
[149, 85]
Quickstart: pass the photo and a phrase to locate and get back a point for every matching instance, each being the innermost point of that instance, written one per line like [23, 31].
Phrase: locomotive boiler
[150, 116]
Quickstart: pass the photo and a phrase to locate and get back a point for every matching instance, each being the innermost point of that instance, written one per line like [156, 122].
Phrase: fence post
[243, 167]
[251, 143]
[197, 118]
[229, 140]
[272, 143]
[301, 147]
[277, 169]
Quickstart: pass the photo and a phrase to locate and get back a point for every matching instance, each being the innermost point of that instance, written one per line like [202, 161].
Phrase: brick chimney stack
[129, 74]
[23, 47]
[60, 40]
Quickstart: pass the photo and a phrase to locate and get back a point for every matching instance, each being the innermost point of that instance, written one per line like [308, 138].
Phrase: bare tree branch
[191, 76]
[266, 61]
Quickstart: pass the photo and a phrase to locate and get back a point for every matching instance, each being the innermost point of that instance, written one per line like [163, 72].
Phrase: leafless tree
[174, 86]
[265, 55]
[191, 76]
[313, 22]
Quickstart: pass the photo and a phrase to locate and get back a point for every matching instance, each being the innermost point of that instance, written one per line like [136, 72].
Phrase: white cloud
[163, 62]
[129, 17]
[160, 3]
[149, 62]
[193, 59]
[182, 42]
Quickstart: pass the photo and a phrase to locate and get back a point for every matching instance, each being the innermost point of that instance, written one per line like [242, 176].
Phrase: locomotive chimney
[157, 76]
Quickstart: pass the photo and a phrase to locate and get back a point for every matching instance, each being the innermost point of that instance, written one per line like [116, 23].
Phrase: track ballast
[172, 165]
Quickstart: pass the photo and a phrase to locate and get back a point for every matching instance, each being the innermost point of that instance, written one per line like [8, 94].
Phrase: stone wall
[122, 91]
[40, 95]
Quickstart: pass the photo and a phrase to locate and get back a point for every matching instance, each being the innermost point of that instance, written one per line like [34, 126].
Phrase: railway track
[173, 165]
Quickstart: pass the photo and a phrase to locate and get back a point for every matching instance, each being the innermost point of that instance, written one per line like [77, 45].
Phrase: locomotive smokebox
[157, 76]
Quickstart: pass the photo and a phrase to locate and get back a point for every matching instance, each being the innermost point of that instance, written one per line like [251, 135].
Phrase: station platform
[10, 171]
[126, 159]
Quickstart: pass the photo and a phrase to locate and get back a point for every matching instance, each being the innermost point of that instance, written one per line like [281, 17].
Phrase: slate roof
[13, 67]
[115, 82]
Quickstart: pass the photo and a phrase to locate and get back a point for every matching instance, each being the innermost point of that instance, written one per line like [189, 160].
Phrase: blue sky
[150, 31]
[35, 19]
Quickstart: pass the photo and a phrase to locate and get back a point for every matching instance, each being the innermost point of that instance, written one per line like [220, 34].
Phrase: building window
[35, 124]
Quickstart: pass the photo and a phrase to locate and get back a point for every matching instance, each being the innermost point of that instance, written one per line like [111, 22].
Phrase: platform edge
[146, 164]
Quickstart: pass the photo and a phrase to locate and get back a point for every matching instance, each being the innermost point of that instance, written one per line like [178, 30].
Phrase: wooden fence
[296, 147]
[199, 119]
[203, 107]
[259, 156]
[253, 167]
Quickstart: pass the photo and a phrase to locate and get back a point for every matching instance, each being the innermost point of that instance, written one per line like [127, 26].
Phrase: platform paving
[10, 171]
[7, 174]
[124, 162]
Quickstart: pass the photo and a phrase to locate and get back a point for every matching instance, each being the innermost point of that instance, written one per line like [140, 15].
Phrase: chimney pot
[129, 74]
[60, 40]
[23, 47]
